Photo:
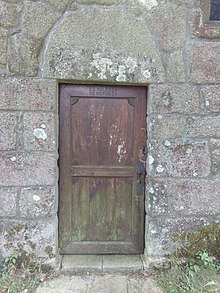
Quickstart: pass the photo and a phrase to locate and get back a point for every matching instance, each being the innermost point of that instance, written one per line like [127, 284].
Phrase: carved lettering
[103, 91]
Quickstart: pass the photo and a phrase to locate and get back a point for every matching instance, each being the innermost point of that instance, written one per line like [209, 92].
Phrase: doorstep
[73, 264]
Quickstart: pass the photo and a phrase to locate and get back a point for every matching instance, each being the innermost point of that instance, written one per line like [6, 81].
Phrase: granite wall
[169, 46]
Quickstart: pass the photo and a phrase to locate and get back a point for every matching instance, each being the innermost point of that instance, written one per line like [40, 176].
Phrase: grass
[187, 277]
[22, 273]
[194, 267]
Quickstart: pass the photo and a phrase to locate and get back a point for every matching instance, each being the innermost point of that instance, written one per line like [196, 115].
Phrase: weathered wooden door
[102, 169]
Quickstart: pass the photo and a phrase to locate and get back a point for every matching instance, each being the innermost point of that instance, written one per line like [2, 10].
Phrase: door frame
[59, 128]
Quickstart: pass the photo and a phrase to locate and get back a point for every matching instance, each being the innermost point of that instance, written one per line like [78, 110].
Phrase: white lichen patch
[40, 133]
[150, 160]
[167, 143]
[101, 64]
[131, 64]
[160, 168]
[146, 73]
[36, 197]
[149, 4]
[121, 73]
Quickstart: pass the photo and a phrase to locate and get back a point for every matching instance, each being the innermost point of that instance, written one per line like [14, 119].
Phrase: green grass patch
[22, 273]
[194, 267]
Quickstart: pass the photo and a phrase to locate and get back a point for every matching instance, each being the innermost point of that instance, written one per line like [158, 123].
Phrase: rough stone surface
[39, 133]
[215, 146]
[203, 62]
[23, 55]
[9, 14]
[118, 284]
[188, 3]
[173, 99]
[8, 197]
[169, 26]
[175, 69]
[99, 2]
[180, 159]
[27, 94]
[8, 131]
[37, 202]
[27, 169]
[81, 263]
[60, 4]
[198, 197]
[211, 95]
[38, 238]
[3, 49]
[203, 126]
[157, 197]
[168, 46]
[161, 231]
[122, 263]
[102, 54]
[100, 283]
[35, 11]
[167, 126]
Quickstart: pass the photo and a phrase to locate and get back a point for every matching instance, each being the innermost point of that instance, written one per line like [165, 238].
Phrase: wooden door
[102, 169]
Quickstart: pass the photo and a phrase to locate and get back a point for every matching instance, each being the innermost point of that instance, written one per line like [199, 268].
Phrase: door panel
[102, 136]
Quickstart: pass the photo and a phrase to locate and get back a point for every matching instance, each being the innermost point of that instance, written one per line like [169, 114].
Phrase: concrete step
[74, 264]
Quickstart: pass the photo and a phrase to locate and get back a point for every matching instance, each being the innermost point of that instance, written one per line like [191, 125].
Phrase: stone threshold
[86, 264]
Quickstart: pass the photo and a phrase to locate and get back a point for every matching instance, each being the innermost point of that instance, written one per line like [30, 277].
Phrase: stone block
[23, 55]
[175, 69]
[157, 197]
[27, 169]
[37, 202]
[8, 196]
[215, 146]
[211, 95]
[197, 197]
[122, 263]
[167, 126]
[179, 159]
[35, 11]
[203, 62]
[111, 51]
[59, 4]
[39, 133]
[28, 94]
[64, 284]
[203, 126]
[173, 99]
[169, 26]
[9, 14]
[162, 230]
[109, 284]
[188, 3]
[37, 238]
[8, 132]
[141, 6]
[82, 263]
[3, 49]
[99, 2]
